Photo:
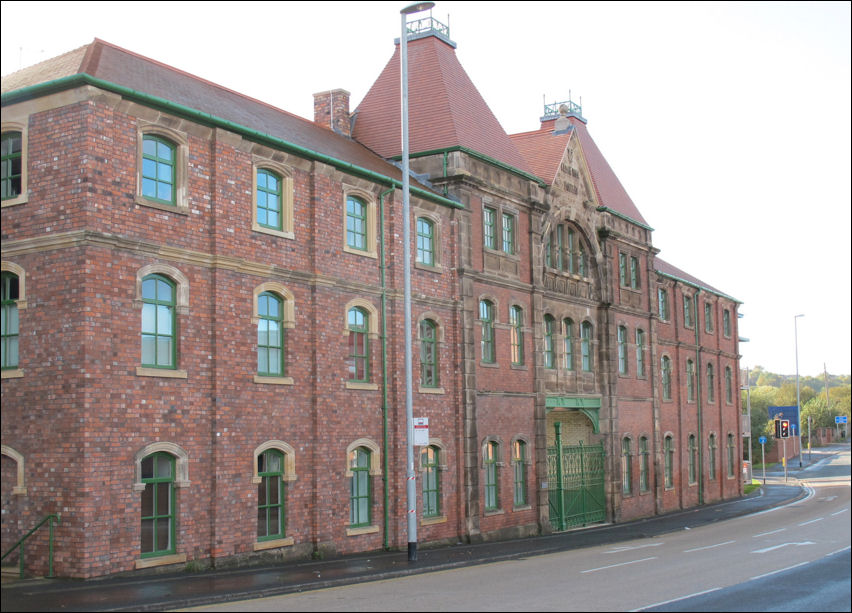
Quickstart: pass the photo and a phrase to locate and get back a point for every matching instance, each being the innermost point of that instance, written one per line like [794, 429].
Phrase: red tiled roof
[444, 108]
[543, 150]
[611, 192]
[105, 61]
[673, 271]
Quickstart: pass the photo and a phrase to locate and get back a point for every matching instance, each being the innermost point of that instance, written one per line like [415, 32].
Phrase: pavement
[160, 592]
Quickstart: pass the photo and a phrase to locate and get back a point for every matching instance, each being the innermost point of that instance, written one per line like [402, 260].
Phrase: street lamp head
[417, 7]
[799, 315]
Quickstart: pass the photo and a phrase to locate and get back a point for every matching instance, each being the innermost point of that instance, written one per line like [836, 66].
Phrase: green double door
[576, 484]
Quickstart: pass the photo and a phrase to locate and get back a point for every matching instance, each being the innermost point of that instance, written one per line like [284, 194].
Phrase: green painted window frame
[548, 250]
[708, 317]
[270, 335]
[549, 347]
[360, 488]
[560, 248]
[582, 263]
[359, 345]
[663, 304]
[568, 343]
[726, 323]
[635, 278]
[644, 465]
[731, 456]
[622, 350]
[489, 223]
[690, 381]
[586, 346]
[640, 353]
[666, 377]
[10, 327]
[157, 485]
[486, 318]
[492, 484]
[430, 458]
[159, 322]
[270, 199]
[11, 162]
[668, 461]
[357, 220]
[692, 452]
[519, 461]
[711, 384]
[688, 320]
[516, 323]
[571, 241]
[508, 225]
[159, 169]
[711, 459]
[271, 492]
[622, 269]
[626, 467]
[729, 385]
[425, 242]
[429, 354]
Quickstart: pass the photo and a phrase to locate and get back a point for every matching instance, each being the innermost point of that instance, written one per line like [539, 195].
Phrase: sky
[727, 123]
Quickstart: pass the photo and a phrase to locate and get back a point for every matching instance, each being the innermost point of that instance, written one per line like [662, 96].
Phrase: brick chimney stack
[331, 109]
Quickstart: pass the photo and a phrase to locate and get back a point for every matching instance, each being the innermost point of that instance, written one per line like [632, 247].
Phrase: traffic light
[777, 428]
[785, 428]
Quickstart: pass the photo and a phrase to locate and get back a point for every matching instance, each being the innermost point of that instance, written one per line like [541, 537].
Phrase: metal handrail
[20, 543]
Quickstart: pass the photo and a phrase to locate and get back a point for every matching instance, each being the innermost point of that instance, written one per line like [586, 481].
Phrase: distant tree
[768, 378]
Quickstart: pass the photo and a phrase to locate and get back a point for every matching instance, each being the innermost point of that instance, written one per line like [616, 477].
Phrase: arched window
[692, 450]
[640, 353]
[549, 350]
[492, 454]
[731, 456]
[270, 335]
[729, 385]
[158, 505]
[425, 242]
[711, 448]
[586, 345]
[644, 465]
[159, 333]
[668, 459]
[568, 331]
[516, 321]
[711, 384]
[486, 318]
[271, 517]
[626, 467]
[519, 464]
[622, 350]
[10, 329]
[270, 212]
[159, 171]
[359, 490]
[570, 251]
[428, 353]
[430, 463]
[666, 377]
[690, 381]
[359, 345]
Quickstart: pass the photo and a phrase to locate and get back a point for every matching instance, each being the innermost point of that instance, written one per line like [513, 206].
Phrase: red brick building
[203, 323]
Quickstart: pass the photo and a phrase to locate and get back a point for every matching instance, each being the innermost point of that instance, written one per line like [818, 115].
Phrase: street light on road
[411, 492]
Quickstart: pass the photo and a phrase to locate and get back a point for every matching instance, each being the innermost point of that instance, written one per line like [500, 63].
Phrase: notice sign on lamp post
[421, 431]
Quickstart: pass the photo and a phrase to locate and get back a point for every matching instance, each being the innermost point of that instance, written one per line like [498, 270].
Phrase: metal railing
[20, 544]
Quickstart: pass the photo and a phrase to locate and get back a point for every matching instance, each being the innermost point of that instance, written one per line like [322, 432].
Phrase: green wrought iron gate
[575, 476]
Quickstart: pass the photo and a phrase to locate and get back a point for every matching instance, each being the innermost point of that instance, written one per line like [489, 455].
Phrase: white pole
[798, 401]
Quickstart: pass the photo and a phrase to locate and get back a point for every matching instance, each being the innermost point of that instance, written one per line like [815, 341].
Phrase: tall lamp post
[410, 489]
[798, 398]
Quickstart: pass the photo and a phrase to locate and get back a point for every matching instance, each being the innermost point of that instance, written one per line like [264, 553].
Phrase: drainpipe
[385, 467]
[698, 399]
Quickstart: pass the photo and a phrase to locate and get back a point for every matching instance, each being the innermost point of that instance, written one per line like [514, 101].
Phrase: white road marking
[813, 521]
[659, 604]
[775, 572]
[593, 570]
[620, 549]
[709, 546]
[768, 533]
[773, 548]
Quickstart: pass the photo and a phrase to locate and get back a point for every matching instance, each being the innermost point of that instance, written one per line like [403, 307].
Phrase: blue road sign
[840, 419]
[762, 440]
